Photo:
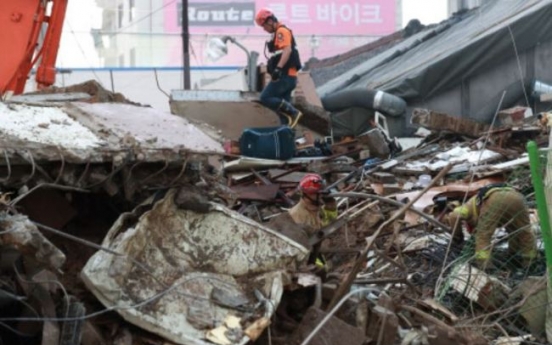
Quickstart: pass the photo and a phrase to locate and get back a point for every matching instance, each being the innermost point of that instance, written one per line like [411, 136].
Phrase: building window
[122, 60]
[131, 10]
[132, 57]
[120, 14]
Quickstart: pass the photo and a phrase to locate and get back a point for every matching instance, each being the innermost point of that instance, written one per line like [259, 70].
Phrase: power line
[149, 15]
[82, 52]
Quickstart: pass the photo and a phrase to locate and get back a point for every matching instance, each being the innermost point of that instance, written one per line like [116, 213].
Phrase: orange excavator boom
[24, 23]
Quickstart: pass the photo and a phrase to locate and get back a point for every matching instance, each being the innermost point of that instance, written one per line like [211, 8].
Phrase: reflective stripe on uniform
[468, 211]
[531, 254]
[328, 216]
[482, 254]
[462, 211]
[319, 263]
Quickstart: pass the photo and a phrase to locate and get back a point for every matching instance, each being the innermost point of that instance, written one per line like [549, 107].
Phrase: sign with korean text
[304, 17]
[218, 14]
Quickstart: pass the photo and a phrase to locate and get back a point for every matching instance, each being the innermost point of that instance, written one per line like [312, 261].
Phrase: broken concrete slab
[19, 232]
[50, 98]
[148, 128]
[193, 255]
[48, 126]
[228, 111]
[97, 132]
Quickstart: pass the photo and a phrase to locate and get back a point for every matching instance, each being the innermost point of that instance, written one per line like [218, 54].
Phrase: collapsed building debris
[120, 224]
[197, 275]
[213, 257]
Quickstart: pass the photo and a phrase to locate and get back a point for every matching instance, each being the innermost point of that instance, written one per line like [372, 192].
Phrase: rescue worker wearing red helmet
[283, 65]
[315, 209]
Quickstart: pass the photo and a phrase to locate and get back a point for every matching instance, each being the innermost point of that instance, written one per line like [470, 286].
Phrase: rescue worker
[282, 66]
[495, 206]
[544, 121]
[313, 210]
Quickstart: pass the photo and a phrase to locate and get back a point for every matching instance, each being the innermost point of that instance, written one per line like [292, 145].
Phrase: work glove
[276, 74]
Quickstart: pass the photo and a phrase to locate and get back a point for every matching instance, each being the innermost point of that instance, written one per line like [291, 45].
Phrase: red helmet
[311, 183]
[262, 16]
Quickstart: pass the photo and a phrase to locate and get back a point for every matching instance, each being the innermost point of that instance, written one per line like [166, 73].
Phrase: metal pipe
[542, 207]
[251, 62]
[186, 44]
[391, 202]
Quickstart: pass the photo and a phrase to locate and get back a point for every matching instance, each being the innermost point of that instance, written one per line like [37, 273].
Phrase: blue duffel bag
[268, 142]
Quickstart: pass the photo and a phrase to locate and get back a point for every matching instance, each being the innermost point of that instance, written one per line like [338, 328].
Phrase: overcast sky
[77, 46]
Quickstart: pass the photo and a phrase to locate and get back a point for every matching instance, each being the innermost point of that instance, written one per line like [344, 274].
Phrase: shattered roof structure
[325, 70]
[491, 47]
[96, 131]
[117, 227]
[69, 140]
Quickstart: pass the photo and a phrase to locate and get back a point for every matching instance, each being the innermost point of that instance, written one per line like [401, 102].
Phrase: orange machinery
[30, 31]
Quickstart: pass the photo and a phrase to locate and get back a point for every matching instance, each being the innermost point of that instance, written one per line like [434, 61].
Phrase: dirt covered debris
[97, 92]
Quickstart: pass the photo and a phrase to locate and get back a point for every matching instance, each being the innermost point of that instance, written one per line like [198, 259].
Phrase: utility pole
[186, 44]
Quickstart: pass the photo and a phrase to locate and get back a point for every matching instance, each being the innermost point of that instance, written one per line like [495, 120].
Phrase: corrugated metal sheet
[440, 57]
[201, 269]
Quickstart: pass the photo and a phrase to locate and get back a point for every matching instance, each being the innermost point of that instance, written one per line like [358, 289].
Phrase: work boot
[295, 118]
[285, 119]
[289, 110]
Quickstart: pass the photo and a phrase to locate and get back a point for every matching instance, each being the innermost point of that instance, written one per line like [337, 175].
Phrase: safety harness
[294, 60]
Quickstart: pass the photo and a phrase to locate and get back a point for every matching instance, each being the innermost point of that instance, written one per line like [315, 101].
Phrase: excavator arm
[30, 32]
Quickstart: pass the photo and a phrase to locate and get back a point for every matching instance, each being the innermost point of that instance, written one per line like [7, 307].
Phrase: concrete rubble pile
[123, 225]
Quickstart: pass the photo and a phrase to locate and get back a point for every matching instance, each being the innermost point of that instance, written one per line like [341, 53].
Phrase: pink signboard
[335, 26]
[320, 17]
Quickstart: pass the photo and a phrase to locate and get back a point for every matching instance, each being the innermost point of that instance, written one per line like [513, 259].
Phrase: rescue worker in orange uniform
[282, 66]
[495, 206]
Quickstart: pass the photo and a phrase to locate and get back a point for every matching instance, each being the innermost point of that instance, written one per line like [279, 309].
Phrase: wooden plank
[257, 193]
[438, 307]
[293, 177]
[476, 285]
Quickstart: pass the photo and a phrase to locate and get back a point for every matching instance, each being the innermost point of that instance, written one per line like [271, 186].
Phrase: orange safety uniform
[283, 38]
